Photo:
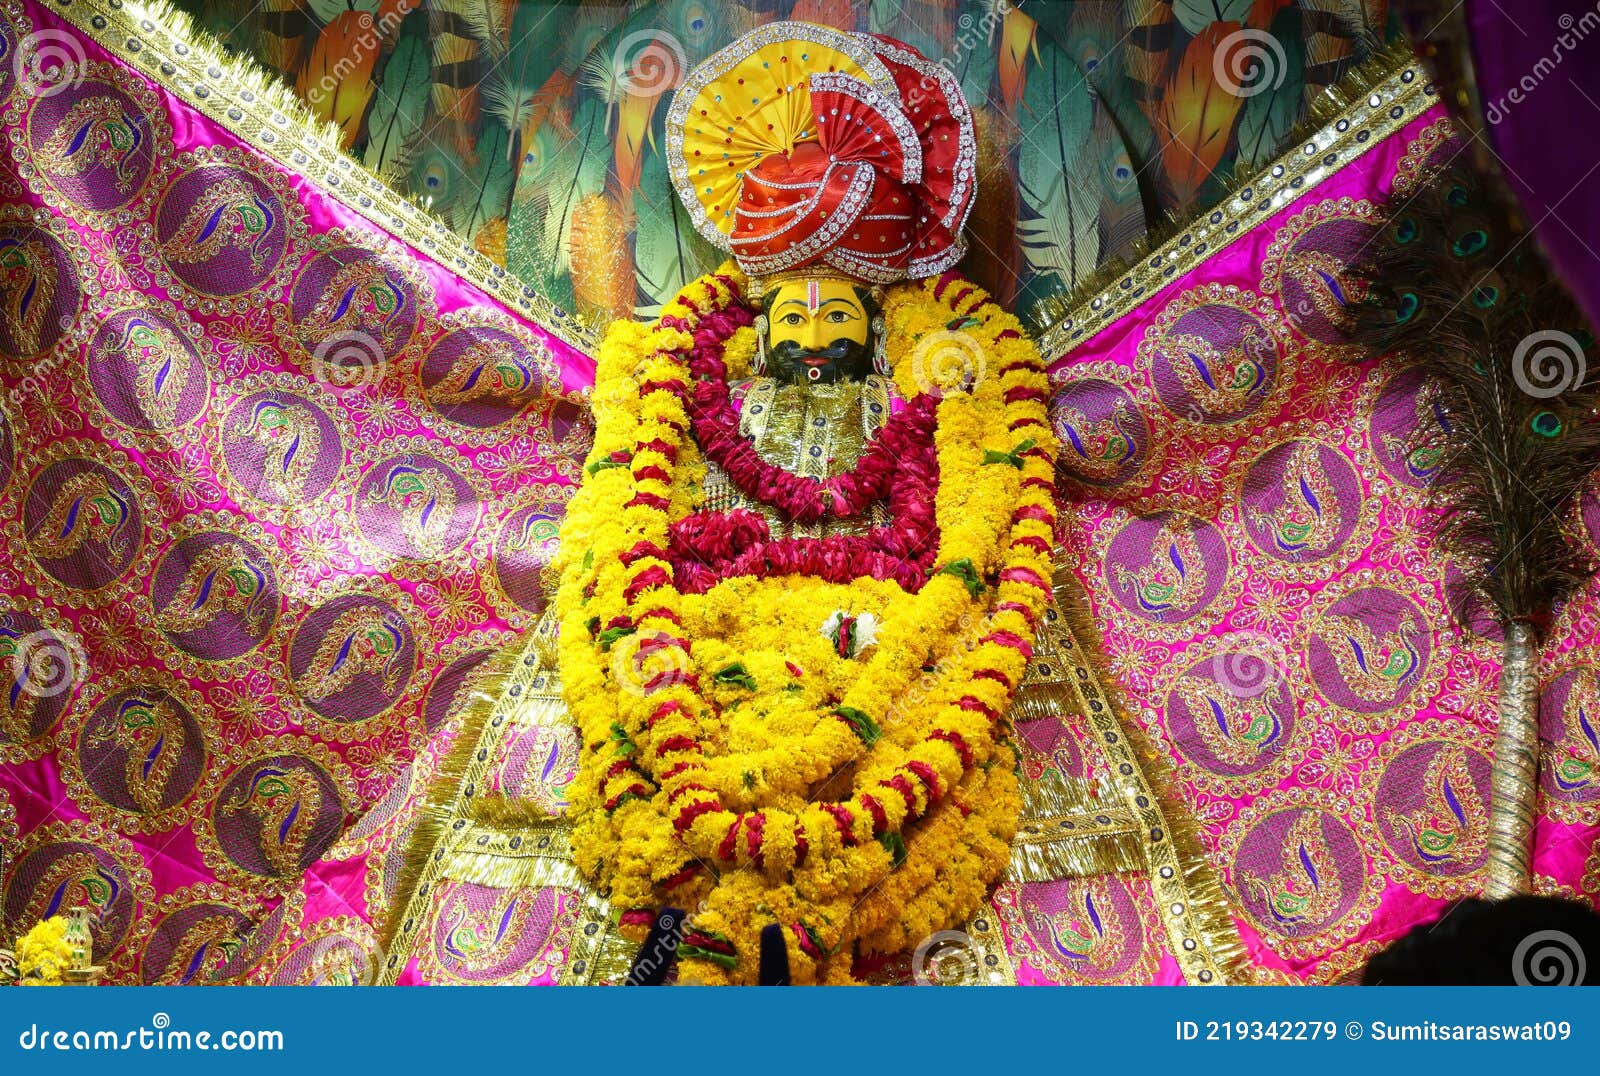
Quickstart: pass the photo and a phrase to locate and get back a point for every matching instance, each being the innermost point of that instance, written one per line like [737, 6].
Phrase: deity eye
[838, 316]
[791, 319]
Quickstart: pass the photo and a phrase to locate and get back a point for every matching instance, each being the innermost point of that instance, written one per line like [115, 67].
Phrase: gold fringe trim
[1076, 857]
[502, 812]
[1169, 249]
[426, 851]
[1055, 794]
[512, 872]
[1193, 904]
[255, 105]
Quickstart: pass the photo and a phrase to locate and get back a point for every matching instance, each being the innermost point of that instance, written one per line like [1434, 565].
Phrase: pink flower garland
[900, 466]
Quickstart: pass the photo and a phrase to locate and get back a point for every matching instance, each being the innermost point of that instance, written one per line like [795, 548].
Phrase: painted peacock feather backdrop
[535, 129]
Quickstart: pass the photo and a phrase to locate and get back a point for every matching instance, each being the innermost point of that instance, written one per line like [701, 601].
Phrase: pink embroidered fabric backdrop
[273, 487]
[1253, 537]
[274, 484]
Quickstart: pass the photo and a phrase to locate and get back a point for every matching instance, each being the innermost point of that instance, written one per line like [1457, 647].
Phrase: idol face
[818, 331]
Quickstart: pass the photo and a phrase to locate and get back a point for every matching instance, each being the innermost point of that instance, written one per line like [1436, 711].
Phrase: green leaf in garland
[861, 724]
[588, 559]
[1013, 457]
[735, 675]
[620, 458]
[895, 845]
[709, 945]
[963, 570]
[619, 735]
[609, 637]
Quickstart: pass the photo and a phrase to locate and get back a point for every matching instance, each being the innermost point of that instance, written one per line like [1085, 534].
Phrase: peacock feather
[1460, 288]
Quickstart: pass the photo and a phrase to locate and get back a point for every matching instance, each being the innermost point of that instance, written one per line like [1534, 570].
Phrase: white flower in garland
[850, 634]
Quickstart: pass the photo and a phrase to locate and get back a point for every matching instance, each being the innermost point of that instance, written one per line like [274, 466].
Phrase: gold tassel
[439, 808]
[512, 872]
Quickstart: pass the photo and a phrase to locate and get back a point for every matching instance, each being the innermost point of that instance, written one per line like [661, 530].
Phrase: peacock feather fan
[1455, 285]
[1460, 289]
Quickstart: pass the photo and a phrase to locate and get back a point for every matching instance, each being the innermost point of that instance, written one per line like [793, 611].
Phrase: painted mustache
[842, 360]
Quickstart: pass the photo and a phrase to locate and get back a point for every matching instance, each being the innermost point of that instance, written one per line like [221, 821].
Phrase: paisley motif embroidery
[1175, 579]
[287, 802]
[1422, 461]
[35, 664]
[74, 879]
[1377, 667]
[224, 578]
[1307, 890]
[229, 214]
[1307, 521]
[84, 509]
[480, 940]
[424, 500]
[1452, 825]
[161, 368]
[96, 131]
[363, 296]
[1091, 937]
[364, 639]
[1576, 757]
[1329, 281]
[486, 372]
[291, 438]
[153, 736]
[1222, 380]
[28, 276]
[1099, 450]
[1236, 730]
[205, 951]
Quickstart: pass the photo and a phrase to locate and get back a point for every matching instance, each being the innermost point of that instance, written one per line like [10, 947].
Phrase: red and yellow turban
[799, 146]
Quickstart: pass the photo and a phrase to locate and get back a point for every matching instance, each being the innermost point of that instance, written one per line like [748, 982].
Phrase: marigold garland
[738, 760]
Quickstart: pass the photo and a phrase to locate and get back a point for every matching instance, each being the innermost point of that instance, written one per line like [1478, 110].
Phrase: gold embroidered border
[164, 45]
[1388, 92]
[468, 835]
[1195, 910]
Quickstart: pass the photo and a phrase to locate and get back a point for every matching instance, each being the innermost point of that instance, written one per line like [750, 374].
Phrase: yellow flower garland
[44, 953]
[740, 755]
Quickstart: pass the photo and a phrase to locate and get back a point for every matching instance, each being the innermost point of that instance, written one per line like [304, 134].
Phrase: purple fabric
[1538, 69]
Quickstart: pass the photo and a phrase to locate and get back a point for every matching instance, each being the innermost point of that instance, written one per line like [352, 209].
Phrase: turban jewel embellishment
[799, 147]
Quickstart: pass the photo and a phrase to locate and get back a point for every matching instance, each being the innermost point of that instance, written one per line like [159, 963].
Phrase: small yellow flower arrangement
[44, 954]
